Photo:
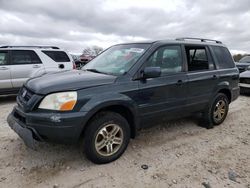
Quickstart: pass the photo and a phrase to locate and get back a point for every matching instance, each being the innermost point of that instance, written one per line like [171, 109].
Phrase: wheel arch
[227, 92]
[224, 87]
[124, 109]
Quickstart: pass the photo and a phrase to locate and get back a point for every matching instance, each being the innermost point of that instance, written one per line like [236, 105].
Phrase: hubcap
[109, 140]
[219, 110]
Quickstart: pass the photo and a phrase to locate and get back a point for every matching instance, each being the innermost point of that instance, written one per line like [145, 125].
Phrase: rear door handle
[4, 68]
[36, 66]
[179, 82]
[215, 76]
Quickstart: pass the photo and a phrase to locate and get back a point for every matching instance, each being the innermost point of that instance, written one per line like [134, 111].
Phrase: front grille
[25, 95]
[245, 80]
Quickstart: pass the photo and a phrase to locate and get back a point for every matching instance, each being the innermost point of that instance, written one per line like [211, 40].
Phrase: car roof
[51, 48]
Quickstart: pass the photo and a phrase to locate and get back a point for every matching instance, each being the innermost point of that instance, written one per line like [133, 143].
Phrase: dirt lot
[178, 154]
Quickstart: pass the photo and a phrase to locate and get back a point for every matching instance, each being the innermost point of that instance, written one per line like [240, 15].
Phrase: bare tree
[92, 50]
[97, 49]
[87, 51]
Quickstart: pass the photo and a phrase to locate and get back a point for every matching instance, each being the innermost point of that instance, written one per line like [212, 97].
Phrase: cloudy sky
[72, 25]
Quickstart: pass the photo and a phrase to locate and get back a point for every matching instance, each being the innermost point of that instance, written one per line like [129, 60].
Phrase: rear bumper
[55, 127]
[235, 93]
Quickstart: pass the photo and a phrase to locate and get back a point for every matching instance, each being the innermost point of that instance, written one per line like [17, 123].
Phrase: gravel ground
[177, 154]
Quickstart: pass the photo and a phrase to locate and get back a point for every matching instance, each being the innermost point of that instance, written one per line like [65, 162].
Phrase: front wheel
[216, 112]
[106, 137]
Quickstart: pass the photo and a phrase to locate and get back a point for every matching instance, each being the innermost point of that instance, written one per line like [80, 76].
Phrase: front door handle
[36, 66]
[4, 68]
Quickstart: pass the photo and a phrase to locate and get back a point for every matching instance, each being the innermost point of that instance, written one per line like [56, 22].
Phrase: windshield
[245, 59]
[117, 60]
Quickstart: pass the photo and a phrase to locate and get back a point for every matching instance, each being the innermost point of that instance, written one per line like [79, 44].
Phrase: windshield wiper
[93, 70]
[97, 71]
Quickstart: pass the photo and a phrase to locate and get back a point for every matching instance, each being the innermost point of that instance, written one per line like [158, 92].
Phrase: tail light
[74, 65]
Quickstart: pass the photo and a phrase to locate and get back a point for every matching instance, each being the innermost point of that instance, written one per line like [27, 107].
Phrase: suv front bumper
[24, 132]
[40, 126]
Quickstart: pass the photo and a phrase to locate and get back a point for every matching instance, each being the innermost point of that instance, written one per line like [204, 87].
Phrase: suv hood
[68, 80]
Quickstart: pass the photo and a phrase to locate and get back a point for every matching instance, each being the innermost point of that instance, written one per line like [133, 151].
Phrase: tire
[211, 115]
[106, 129]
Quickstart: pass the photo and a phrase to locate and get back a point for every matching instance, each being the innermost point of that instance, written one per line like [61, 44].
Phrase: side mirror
[151, 72]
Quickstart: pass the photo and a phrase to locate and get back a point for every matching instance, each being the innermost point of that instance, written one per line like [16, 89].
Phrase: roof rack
[200, 39]
[52, 47]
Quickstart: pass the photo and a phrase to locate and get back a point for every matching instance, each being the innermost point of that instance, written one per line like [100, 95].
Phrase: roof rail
[52, 47]
[200, 39]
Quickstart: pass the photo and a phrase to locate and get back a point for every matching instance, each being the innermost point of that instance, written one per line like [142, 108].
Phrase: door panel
[202, 77]
[200, 88]
[24, 65]
[5, 76]
[163, 97]
[21, 73]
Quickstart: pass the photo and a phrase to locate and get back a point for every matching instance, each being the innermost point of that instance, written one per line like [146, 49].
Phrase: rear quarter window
[57, 56]
[223, 57]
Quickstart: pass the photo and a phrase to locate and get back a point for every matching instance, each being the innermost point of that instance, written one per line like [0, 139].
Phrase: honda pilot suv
[19, 63]
[126, 88]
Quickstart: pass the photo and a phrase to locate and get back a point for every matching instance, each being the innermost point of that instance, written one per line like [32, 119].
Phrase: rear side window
[197, 58]
[223, 57]
[57, 56]
[24, 57]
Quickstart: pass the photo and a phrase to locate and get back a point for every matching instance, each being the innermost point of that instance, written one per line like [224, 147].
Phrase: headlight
[248, 68]
[63, 101]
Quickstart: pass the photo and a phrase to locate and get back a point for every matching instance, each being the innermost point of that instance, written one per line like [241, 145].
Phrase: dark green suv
[125, 88]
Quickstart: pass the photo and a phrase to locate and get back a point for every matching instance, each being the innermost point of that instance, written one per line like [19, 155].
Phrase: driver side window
[168, 58]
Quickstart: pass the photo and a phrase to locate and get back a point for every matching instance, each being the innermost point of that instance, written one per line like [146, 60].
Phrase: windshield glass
[117, 60]
[245, 59]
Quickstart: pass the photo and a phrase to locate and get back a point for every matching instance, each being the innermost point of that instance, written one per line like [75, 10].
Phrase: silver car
[19, 63]
[245, 82]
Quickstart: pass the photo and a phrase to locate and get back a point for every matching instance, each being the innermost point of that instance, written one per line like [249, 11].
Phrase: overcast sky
[72, 25]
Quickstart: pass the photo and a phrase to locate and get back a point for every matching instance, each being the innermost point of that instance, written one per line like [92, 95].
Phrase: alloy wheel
[109, 140]
[219, 111]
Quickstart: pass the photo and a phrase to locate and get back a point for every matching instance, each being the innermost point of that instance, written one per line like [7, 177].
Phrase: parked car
[245, 82]
[83, 60]
[243, 64]
[126, 88]
[19, 63]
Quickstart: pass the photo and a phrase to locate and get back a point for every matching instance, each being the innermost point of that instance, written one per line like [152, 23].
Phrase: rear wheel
[106, 137]
[217, 111]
